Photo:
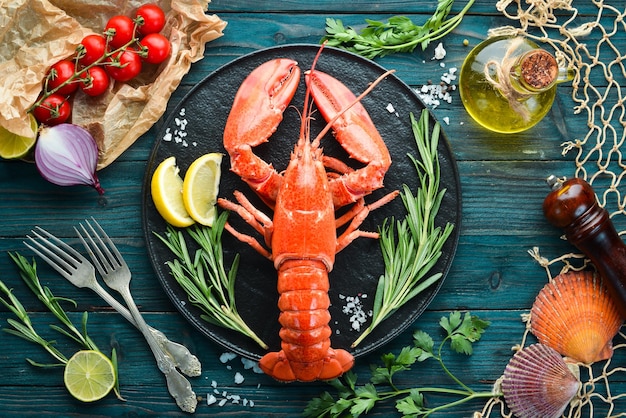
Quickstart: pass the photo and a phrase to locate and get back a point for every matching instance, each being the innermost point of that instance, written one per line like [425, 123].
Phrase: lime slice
[16, 146]
[167, 188]
[89, 375]
[201, 186]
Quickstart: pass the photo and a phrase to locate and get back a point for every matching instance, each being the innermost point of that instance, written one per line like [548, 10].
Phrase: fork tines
[53, 251]
[101, 248]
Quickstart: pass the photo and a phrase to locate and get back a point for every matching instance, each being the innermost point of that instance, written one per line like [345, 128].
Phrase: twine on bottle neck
[501, 79]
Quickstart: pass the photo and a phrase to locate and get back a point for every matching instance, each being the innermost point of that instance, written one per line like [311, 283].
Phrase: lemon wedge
[89, 375]
[201, 186]
[167, 187]
[16, 146]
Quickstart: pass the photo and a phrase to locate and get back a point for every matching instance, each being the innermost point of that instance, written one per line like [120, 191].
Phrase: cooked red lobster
[301, 238]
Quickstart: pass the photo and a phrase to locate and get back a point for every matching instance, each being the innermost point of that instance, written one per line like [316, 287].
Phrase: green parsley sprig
[203, 277]
[412, 246]
[354, 400]
[398, 34]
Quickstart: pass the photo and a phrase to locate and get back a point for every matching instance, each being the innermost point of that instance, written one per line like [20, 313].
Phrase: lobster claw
[256, 113]
[356, 133]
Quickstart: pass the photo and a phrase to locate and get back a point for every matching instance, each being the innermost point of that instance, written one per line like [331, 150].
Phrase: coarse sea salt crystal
[210, 399]
[251, 364]
[226, 357]
[238, 378]
[440, 52]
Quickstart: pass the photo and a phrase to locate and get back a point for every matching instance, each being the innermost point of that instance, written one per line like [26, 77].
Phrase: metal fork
[117, 275]
[81, 273]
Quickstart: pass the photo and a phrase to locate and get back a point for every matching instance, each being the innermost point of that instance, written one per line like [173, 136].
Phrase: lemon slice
[167, 188]
[89, 375]
[16, 146]
[201, 186]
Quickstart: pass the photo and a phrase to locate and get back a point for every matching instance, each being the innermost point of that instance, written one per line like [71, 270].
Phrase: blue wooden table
[503, 187]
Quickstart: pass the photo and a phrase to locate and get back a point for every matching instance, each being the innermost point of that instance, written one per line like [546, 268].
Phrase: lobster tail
[306, 354]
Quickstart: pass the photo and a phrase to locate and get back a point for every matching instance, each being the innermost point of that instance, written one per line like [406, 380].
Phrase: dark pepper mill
[572, 206]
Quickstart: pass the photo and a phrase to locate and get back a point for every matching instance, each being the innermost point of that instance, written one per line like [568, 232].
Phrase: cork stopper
[539, 69]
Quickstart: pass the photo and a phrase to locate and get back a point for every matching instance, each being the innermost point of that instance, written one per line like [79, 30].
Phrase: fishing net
[593, 44]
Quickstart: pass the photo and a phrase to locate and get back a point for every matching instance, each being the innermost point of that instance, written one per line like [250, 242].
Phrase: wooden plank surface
[493, 276]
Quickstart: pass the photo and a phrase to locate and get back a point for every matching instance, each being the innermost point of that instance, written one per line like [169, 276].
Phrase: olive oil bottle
[508, 84]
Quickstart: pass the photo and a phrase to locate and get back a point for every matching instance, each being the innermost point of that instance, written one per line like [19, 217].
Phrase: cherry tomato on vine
[91, 49]
[151, 19]
[121, 30]
[53, 110]
[124, 65]
[59, 73]
[94, 81]
[156, 47]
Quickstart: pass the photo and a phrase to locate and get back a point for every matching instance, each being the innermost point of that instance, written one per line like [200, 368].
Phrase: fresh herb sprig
[398, 34]
[353, 400]
[412, 246]
[203, 277]
[23, 327]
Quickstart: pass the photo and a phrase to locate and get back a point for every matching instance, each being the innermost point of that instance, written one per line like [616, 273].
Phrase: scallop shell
[538, 383]
[575, 315]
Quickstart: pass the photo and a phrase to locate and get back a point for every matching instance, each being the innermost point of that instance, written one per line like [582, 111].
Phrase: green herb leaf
[360, 399]
[203, 276]
[412, 405]
[464, 331]
[398, 34]
[24, 329]
[411, 247]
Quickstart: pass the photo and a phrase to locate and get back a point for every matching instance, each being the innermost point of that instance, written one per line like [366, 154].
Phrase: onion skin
[67, 155]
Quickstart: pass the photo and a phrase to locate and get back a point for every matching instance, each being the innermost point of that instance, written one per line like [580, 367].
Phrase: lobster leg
[358, 215]
[253, 217]
[356, 133]
[256, 113]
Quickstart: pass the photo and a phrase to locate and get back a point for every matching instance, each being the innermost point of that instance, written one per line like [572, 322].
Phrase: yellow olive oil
[493, 108]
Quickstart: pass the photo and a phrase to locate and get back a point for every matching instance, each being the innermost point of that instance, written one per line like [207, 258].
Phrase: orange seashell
[538, 383]
[575, 315]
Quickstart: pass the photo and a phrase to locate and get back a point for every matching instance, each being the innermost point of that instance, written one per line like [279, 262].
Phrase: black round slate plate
[195, 127]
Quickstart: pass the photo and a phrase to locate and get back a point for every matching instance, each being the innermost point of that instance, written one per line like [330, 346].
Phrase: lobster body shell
[304, 243]
[301, 238]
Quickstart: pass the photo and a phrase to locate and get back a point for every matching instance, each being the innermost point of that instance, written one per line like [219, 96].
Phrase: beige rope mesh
[589, 46]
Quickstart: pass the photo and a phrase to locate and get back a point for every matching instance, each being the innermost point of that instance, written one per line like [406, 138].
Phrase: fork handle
[180, 355]
[177, 385]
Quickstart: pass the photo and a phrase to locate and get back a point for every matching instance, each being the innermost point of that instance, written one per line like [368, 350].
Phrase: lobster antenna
[307, 96]
[327, 128]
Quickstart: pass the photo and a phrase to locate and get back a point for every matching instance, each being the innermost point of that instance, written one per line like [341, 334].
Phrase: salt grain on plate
[210, 399]
[179, 132]
[354, 309]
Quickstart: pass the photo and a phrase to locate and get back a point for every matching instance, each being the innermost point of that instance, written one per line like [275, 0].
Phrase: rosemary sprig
[24, 328]
[411, 247]
[398, 34]
[28, 273]
[353, 400]
[203, 276]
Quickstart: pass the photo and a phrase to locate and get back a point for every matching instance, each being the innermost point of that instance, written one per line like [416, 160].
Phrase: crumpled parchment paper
[35, 34]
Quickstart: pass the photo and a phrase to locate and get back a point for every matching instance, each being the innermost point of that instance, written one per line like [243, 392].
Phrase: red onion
[67, 155]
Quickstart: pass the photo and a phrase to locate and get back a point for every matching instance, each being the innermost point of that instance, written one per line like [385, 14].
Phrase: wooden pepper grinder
[572, 206]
